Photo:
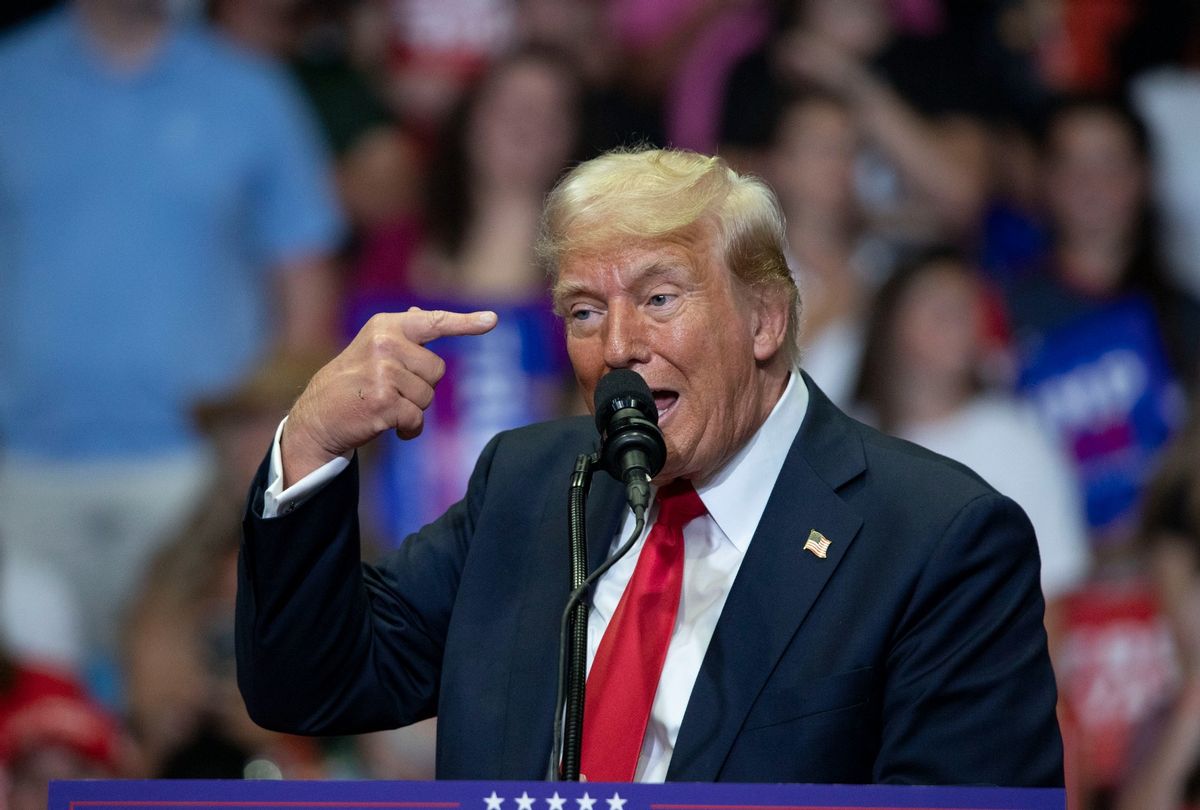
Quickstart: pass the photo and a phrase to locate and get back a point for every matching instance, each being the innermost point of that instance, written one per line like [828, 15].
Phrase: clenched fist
[382, 381]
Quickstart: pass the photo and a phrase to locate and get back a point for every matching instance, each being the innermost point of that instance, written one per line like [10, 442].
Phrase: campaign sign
[1103, 384]
[378, 795]
[512, 376]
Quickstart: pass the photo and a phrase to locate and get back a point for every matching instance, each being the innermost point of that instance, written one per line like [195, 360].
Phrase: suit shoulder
[545, 443]
[906, 477]
[569, 428]
[918, 507]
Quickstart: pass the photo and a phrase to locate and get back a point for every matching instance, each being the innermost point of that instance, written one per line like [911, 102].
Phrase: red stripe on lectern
[168, 803]
[787, 807]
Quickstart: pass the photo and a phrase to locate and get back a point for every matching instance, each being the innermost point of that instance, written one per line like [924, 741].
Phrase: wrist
[299, 453]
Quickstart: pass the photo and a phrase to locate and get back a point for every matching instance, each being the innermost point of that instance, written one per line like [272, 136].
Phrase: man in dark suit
[815, 602]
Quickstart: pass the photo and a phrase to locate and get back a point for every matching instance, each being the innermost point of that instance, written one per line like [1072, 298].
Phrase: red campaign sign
[1117, 665]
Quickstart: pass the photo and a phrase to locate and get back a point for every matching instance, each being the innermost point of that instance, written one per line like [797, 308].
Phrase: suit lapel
[775, 587]
[544, 588]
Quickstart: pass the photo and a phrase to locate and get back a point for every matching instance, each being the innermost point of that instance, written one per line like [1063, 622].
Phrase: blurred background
[993, 214]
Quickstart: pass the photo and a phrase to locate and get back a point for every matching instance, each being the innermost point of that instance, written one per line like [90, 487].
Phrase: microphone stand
[633, 451]
[576, 648]
[572, 634]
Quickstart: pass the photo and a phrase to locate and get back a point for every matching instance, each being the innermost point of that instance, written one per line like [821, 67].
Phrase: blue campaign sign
[264, 795]
[1103, 385]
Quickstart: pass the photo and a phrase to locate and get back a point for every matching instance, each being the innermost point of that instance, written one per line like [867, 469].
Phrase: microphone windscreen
[622, 388]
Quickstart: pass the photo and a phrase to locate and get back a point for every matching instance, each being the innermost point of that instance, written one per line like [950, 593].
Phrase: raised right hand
[382, 381]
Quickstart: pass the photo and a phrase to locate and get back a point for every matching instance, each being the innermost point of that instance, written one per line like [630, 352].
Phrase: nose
[624, 336]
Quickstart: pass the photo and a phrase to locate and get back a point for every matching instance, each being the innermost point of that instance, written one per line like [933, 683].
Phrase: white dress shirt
[714, 546]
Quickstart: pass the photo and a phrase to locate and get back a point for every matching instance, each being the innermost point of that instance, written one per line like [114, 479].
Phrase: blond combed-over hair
[640, 195]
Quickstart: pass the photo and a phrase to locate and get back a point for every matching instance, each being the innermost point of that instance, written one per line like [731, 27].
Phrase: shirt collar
[737, 495]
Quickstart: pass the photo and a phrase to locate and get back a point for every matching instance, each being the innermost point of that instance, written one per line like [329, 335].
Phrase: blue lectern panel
[265, 795]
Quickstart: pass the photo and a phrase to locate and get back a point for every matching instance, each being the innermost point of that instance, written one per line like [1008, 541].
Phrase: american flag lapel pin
[817, 543]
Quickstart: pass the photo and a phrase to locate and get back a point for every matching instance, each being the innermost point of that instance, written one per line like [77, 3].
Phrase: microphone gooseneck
[632, 447]
[632, 450]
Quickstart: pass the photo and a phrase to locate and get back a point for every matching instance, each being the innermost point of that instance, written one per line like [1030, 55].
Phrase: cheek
[587, 361]
[677, 338]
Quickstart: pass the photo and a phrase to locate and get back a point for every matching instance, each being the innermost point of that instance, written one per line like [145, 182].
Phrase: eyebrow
[563, 290]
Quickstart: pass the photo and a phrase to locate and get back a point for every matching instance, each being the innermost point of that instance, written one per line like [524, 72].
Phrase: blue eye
[581, 314]
[660, 300]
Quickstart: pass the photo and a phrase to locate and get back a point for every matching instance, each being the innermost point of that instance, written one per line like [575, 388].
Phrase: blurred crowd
[993, 213]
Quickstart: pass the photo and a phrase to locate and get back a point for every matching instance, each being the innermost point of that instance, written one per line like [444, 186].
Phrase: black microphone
[632, 447]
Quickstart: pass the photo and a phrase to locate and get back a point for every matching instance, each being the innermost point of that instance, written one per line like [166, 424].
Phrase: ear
[770, 321]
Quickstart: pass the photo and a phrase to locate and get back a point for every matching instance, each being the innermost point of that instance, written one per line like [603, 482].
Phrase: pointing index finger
[422, 326]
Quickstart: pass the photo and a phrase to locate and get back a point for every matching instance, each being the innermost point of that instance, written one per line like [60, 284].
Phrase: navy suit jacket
[913, 653]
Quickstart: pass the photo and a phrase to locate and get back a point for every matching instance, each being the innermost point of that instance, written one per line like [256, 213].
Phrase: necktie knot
[678, 504]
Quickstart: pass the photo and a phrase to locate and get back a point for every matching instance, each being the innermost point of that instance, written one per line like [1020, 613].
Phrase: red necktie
[624, 677]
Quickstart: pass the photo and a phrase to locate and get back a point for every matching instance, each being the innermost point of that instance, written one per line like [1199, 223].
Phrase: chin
[674, 468]
[671, 469]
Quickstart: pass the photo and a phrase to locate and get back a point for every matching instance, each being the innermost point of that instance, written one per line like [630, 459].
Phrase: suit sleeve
[970, 694]
[329, 645]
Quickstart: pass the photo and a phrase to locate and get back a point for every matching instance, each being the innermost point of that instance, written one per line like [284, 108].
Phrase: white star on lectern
[493, 801]
[616, 802]
[556, 801]
[525, 801]
[586, 802]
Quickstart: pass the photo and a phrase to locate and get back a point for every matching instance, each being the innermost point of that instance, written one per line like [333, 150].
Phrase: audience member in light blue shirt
[166, 220]
[145, 214]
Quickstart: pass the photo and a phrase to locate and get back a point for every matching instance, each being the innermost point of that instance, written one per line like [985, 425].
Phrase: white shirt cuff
[279, 501]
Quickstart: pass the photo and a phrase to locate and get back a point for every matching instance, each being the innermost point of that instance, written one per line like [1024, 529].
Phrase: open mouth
[665, 402]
